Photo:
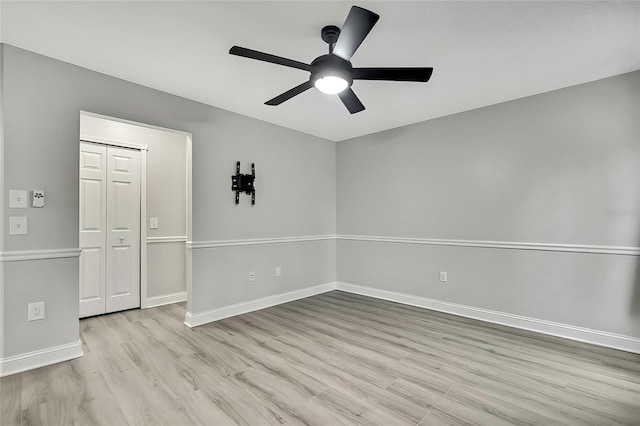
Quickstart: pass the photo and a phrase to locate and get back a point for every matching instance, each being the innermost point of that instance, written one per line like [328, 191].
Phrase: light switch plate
[153, 223]
[18, 199]
[18, 225]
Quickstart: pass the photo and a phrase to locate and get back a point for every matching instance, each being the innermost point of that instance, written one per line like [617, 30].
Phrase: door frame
[143, 202]
[143, 195]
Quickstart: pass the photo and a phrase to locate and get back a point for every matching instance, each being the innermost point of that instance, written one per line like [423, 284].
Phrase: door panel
[93, 225]
[123, 197]
[122, 266]
[123, 229]
[91, 214]
[91, 277]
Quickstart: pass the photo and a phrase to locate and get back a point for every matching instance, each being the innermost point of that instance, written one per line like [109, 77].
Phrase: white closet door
[123, 229]
[93, 228]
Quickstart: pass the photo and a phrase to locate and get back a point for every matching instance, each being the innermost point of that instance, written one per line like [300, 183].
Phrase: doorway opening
[153, 269]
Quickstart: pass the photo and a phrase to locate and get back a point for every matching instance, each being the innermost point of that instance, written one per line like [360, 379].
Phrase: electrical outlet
[278, 271]
[252, 276]
[35, 311]
[443, 277]
[153, 223]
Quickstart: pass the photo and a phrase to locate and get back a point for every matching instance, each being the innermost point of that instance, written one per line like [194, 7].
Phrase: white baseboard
[194, 320]
[36, 359]
[166, 299]
[581, 334]
[595, 337]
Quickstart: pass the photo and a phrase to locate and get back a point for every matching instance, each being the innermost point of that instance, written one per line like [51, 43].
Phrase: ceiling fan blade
[266, 57]
[290, 94]
[358, 24]
[351, 101]
[392, 74]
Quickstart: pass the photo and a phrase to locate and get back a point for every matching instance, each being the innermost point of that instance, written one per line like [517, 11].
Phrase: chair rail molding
[256, 241]
[170, 239]
[493, 244]
[571, 248]
[19, 255]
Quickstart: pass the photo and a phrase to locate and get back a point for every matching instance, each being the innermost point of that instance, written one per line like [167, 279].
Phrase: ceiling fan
[333, 73]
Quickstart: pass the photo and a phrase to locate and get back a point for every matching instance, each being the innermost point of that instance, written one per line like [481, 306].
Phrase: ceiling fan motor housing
[331, 65]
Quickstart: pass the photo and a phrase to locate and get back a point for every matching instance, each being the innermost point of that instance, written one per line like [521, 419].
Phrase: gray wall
[543, 169]
[229, 264]
[42, 101]
[51, 280]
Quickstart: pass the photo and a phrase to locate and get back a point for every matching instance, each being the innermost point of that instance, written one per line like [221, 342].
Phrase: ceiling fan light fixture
[331, 84]
[333, 73]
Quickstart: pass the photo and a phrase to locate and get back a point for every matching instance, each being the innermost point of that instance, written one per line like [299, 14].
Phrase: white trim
[112, 142]
[580, 334]
[595, 337]
[166, 299]
[2, 201]
[143, 229]
[14, 256]
[36, 359]
[513, 245]
[256, 241]
[135, 123]
[174, 239]
[189, 219]
[193, 320]
[572, 248]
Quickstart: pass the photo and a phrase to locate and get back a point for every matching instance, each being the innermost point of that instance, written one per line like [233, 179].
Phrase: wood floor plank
[355, 411]
[447, 411]
[283, 396]
[325, 366]
[261, 359]
[239, 403]
[350, 381]
[98, 405]
[331, 359]
[505, 406]
[10, 400]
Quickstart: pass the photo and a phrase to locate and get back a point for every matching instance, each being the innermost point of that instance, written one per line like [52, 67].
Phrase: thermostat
[38, 198]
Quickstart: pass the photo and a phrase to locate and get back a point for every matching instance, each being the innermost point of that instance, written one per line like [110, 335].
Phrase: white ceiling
[482, 52]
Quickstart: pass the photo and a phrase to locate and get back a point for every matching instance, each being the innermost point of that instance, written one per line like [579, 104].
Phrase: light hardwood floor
[331, 359]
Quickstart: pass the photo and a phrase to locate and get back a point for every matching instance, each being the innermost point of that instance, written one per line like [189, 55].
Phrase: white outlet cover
[18, 199]
[278, 271]
[153, 223]
[35, 311]
[18, 225]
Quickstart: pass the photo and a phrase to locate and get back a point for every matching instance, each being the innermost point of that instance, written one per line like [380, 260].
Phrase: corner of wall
[2, 215]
